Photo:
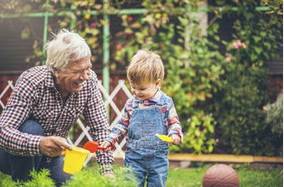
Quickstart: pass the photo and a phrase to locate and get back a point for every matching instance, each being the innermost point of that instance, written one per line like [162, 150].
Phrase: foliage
[18, 6]
[6, 181]
[192, 65]
[192, 177]
[40, 178]
[219, 87]
[87, 177]
[238, 106]
[274, 118]
[91, 177]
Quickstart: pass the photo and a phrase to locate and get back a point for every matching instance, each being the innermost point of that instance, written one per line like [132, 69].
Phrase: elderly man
[45, 103]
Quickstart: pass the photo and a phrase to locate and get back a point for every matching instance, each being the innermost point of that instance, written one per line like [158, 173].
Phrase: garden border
[225, 158]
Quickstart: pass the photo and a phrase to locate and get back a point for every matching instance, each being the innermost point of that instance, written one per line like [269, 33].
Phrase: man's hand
[53, 146]
[176, 139]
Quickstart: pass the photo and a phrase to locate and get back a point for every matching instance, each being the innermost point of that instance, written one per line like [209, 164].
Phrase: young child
[148, 113]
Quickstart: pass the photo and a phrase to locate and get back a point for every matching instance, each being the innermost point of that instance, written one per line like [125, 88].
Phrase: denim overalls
[146, 155]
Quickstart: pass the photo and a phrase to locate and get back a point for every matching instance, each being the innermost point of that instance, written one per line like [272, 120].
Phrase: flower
[93, 25]
[238, 44]
[228, 58]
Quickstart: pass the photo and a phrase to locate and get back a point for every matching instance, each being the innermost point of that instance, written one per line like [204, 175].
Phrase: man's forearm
[15, 142]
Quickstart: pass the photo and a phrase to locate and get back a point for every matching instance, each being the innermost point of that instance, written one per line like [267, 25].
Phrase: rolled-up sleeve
[14, 114]
[96, 118]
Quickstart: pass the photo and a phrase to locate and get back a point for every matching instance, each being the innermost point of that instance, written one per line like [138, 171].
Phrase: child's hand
[176, 139]
[106, 146]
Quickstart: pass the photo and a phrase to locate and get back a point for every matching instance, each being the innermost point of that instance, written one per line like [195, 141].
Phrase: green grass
[191, 177]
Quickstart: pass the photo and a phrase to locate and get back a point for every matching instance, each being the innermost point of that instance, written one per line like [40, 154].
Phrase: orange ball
[220, 175]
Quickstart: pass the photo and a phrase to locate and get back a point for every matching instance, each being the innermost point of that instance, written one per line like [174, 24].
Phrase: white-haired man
[45, 103]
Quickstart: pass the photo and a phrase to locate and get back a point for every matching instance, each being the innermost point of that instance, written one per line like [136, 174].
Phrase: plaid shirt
[35, 96]
[172, 121]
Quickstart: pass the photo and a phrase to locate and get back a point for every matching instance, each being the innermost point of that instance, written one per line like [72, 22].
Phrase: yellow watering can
[74, 159]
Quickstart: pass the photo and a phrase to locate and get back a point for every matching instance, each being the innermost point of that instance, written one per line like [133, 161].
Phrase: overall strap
[165, 104]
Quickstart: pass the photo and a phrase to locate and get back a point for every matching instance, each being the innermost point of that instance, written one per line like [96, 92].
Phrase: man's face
[71, 78]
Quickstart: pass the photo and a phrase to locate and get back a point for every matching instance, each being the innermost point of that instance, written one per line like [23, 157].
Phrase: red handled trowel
[93, 146]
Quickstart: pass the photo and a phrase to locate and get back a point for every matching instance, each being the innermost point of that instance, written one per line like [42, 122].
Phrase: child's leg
[158, 173]
[137, 168]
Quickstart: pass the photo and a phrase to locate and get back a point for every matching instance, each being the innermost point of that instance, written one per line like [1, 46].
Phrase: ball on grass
[220, 175]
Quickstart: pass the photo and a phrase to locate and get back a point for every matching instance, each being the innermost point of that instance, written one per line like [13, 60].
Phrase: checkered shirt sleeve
[16, 111]
[96, 118]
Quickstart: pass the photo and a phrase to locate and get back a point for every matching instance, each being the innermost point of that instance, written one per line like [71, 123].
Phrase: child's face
[145, 90]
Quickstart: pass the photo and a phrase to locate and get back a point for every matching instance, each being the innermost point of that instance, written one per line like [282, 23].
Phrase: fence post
[106, 52]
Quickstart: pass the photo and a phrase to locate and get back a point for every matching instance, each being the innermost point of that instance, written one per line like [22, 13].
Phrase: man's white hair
[65, 47]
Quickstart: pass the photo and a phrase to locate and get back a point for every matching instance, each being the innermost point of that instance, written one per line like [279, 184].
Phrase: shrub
[40, 178]
[241, 126]
[274, 115]
[91, 177]
[88, 177]
[6, 181]
[274, 118]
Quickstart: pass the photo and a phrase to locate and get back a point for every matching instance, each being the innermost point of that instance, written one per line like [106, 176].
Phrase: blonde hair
[65, 47]
[145, 66]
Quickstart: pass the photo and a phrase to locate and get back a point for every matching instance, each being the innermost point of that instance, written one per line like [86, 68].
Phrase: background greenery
[219, 84]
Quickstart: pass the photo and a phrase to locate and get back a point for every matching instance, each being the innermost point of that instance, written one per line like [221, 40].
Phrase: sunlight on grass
[192, 177]
[178, 177]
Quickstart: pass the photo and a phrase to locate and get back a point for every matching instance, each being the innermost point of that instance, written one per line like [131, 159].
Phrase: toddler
[148, 113]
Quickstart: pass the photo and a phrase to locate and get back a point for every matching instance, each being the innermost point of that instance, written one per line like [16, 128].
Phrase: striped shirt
[35, 96]
[172, 121]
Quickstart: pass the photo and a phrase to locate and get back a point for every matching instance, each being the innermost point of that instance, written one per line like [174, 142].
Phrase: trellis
[108, 101]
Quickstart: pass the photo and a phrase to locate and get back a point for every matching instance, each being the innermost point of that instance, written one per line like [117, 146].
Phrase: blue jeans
[151, 169]
[19, 167]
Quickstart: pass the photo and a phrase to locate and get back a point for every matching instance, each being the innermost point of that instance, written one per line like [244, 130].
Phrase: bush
[274, 115]
[91, 177]
[274, 118]
[40, 178]
[241, 126]
[6, 181]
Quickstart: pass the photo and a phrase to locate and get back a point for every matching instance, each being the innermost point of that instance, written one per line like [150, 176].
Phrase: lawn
[178, 177]
[248, 177]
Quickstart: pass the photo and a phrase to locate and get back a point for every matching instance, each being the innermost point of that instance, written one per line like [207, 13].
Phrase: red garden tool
[93, 146]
